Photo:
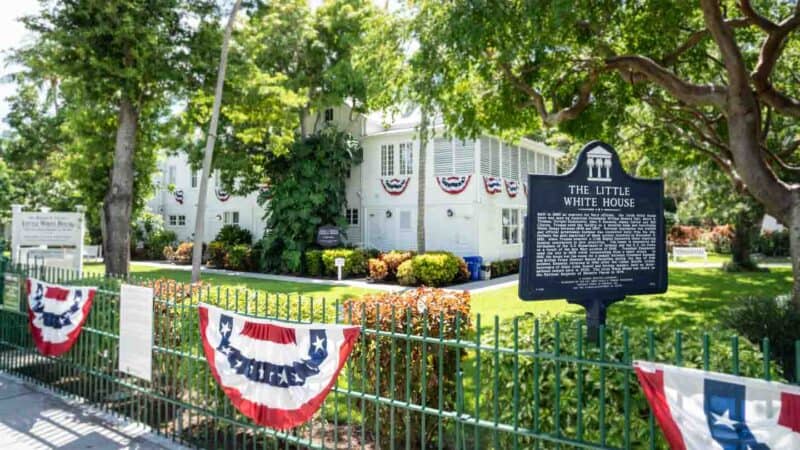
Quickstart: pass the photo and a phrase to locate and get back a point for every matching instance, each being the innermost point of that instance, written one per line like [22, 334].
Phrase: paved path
[32, 418]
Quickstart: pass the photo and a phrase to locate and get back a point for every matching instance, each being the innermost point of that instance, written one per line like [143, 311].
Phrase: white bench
[699, 252]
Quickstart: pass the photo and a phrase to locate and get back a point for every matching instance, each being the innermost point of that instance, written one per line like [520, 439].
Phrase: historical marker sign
[593, 235]
[328, 236]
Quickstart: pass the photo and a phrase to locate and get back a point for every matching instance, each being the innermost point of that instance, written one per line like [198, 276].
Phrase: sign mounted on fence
[12, 291]
[593, 235]
[136, 331]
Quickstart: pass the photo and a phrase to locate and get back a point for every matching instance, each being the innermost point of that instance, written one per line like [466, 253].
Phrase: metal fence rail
[525, 383]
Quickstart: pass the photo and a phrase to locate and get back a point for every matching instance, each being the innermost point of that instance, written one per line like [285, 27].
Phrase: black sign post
[593, 236]
[328, 236]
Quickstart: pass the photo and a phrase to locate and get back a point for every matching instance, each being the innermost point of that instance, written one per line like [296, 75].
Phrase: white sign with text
[136, 331]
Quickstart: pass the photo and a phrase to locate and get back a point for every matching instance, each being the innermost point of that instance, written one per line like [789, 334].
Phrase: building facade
[475, 189]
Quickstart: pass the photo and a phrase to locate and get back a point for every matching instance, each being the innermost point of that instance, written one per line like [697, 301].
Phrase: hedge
[444, 313]
[355, 261]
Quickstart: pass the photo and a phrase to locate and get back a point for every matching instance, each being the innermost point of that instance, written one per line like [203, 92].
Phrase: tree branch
[760, 21]
[693, 94]
[738, 76]
[781, 163]
[537, 99]
[696, 38]
[771, 50]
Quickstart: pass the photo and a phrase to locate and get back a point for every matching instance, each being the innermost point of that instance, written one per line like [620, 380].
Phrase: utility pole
[211, 138]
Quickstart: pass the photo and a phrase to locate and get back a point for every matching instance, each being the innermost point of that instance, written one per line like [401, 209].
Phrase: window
[352, 216]
[177, 221]
[510, 226]
[329, 115]
[195, 175]
[171, 176]
[173, 220]
[453, 157]
[406, 158]
[181, 221]
[387, 160]
[230, 218]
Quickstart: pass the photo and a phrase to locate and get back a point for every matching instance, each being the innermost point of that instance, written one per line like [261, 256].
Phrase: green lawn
[318, 291]
[693, 298]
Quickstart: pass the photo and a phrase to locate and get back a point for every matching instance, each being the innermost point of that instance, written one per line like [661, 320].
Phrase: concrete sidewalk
[32, 418]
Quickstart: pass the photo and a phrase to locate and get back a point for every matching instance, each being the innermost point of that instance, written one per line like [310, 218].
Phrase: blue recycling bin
[474, 266]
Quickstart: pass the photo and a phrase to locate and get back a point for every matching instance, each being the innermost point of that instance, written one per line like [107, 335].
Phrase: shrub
[233, 234]
[773, 243]
[182, 254]
[685, 235]
[435, 269]
[238, 257]
[405, 274]
[718, 239]
[355, 261]
[155, 242]
[504, 267]
[771, 318]
[447, 315]
[393, 259]
[377, 269]
[216, 254]
[292, 261]
[664, 348]
[314, 265]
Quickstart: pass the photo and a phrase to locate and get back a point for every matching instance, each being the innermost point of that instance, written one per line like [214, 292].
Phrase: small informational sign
[338, 262]
[12, 291]
[136, 331]
[593, 235]
[328, 236]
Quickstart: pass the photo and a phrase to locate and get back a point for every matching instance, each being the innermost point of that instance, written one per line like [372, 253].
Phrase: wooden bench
[699, 252]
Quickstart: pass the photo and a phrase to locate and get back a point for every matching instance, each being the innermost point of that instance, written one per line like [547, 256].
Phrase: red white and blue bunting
[275, 373]
[222, 195]
[454, 184]
[395, 186]
[512, 188]
[179, 196]
[56, 314]
[493, 185]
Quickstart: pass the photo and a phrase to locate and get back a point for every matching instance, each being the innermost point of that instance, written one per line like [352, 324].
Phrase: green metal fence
[524, 383]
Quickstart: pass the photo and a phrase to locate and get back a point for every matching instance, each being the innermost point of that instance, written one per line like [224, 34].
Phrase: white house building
[475, 190]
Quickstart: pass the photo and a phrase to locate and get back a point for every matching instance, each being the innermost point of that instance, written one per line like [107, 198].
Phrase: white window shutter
[506, 172]
[523, 164]
[464, 157]
[486, 158]
[514, 163]
[442, 156]
[495, 158]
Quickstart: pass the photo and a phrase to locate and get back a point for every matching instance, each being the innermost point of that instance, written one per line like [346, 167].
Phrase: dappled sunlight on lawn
[694, 299]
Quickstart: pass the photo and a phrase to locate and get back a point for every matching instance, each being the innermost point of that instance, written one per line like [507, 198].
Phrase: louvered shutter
[506, 171]
[442, 156]
[486, 156]
[514, 163]
[464, 157]
[523, 163]
[495, 158]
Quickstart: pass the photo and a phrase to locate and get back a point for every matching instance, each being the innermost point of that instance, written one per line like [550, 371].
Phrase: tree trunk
[794, 247]
[118, 202]
[421, 182]
[211, 139]
[742, 241]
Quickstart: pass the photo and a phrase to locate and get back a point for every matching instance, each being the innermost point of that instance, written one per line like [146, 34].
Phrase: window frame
[326, 113]
[510, 228]
[352, 216]
[405, 155]
[228, 218]
[387, 160]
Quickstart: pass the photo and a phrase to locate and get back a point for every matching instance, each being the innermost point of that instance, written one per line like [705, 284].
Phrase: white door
[406, 229]
[377, 236]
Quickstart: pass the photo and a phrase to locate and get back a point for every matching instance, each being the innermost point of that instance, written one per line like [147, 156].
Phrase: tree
[124, 58]
[726, 85]
[211, 137]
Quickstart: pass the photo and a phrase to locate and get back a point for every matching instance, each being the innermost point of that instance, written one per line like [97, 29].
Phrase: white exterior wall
[165, 204]
[475, 227]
